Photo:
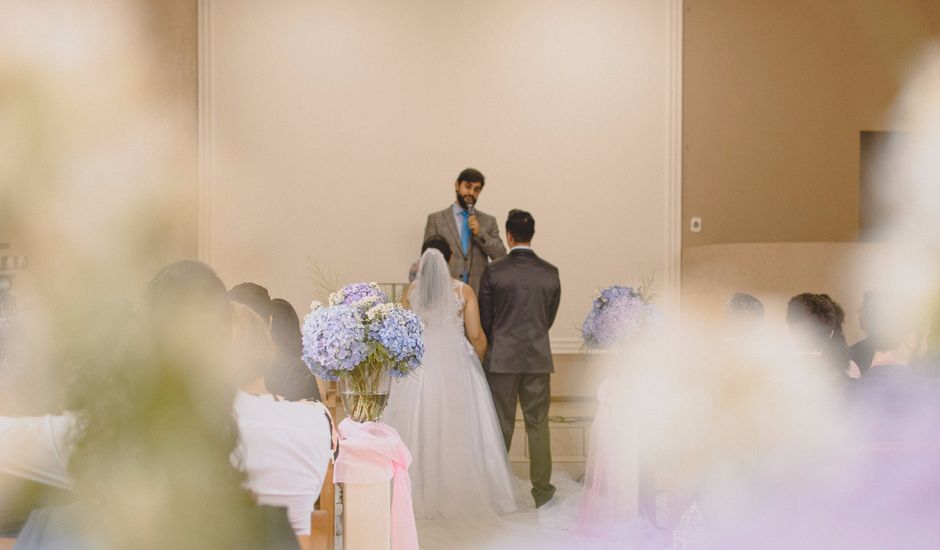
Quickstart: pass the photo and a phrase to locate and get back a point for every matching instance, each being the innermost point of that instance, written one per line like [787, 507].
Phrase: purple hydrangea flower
[357, 292]
[400, 333]
[619, 313]
[361, 327]
[334, 341]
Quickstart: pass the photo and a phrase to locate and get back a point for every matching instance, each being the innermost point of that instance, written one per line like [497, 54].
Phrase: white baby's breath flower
[367, 303]
[379, 311]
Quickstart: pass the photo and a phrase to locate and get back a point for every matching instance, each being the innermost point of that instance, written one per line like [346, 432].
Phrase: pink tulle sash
[373, 452]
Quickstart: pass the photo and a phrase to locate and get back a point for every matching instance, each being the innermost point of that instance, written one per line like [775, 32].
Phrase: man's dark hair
[471, 175]
[521, 225]
[254, 296]
[815, 314]
[437, 242]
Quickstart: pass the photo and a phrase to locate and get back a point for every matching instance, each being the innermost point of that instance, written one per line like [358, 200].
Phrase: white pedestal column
[367, 516]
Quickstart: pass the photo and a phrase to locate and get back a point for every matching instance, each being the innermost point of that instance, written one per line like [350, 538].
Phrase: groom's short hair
[521, 225]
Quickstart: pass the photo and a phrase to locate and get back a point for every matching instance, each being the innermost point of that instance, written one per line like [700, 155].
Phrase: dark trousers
[533, 392]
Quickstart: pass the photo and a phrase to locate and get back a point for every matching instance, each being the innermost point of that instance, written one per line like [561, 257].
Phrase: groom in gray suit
[519, 297]
[472, 235]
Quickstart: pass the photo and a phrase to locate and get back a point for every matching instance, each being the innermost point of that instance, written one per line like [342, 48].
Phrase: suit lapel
[452, 224]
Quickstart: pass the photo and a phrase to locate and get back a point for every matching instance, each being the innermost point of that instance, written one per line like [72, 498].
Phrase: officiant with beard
[472, 235]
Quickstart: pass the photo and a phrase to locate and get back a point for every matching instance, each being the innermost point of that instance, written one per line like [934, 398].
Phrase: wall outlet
[695, 225]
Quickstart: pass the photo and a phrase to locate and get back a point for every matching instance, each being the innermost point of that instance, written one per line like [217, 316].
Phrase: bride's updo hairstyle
[439, 243]
[431, 296]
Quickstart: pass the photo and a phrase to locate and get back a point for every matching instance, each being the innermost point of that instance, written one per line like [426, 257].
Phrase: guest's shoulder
[268, 409]
[304, 408]
[861, 345]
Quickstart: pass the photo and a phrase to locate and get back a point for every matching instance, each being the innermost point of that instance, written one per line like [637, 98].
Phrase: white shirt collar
[520, 247]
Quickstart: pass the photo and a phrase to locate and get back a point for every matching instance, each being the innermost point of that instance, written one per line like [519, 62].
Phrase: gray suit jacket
[484, 247]
[519, 297]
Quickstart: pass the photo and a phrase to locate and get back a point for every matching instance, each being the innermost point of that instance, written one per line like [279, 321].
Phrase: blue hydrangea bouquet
[619, 314]
[361, 340]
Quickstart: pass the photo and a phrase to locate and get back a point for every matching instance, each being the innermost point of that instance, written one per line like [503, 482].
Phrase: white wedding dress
[444, 411]
[465, 495]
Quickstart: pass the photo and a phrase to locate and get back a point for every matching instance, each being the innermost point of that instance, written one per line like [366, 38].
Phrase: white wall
[333, 128]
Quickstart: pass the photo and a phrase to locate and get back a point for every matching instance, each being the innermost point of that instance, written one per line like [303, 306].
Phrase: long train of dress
[444, 414]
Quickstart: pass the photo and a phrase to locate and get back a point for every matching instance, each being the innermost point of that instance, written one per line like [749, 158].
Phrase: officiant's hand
[474, 225]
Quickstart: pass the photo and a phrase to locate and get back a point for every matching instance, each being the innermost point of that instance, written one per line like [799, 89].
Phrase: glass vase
[364, 392]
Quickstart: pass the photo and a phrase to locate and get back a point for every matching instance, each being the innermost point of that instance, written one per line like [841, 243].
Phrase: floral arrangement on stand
[619, 314]
[362, 340]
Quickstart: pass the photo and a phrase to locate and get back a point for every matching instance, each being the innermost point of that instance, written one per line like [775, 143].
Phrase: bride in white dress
[444, 412]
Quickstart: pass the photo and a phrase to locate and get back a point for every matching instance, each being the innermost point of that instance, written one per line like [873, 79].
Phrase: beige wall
[337, 127]
[98, 170]
[774, 272]
[172, 27]
[88, 106]
[775, 95]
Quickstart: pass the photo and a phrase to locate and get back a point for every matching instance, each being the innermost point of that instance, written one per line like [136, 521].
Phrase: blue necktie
[465, 234]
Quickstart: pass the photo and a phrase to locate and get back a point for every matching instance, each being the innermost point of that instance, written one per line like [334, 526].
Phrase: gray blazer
[519, 297]
[484, 247]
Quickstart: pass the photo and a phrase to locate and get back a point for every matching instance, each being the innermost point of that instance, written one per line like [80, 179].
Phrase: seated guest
[150, 445]
[255, 297]
[862, 351]
[743, 317]
[289, 376]
[900, 407]
[285, 446]
[812, 321]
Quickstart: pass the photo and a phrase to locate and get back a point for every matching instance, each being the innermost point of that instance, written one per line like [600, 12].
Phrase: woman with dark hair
[836, 351]
[285, 445]
[438, 243]
[288, 376]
